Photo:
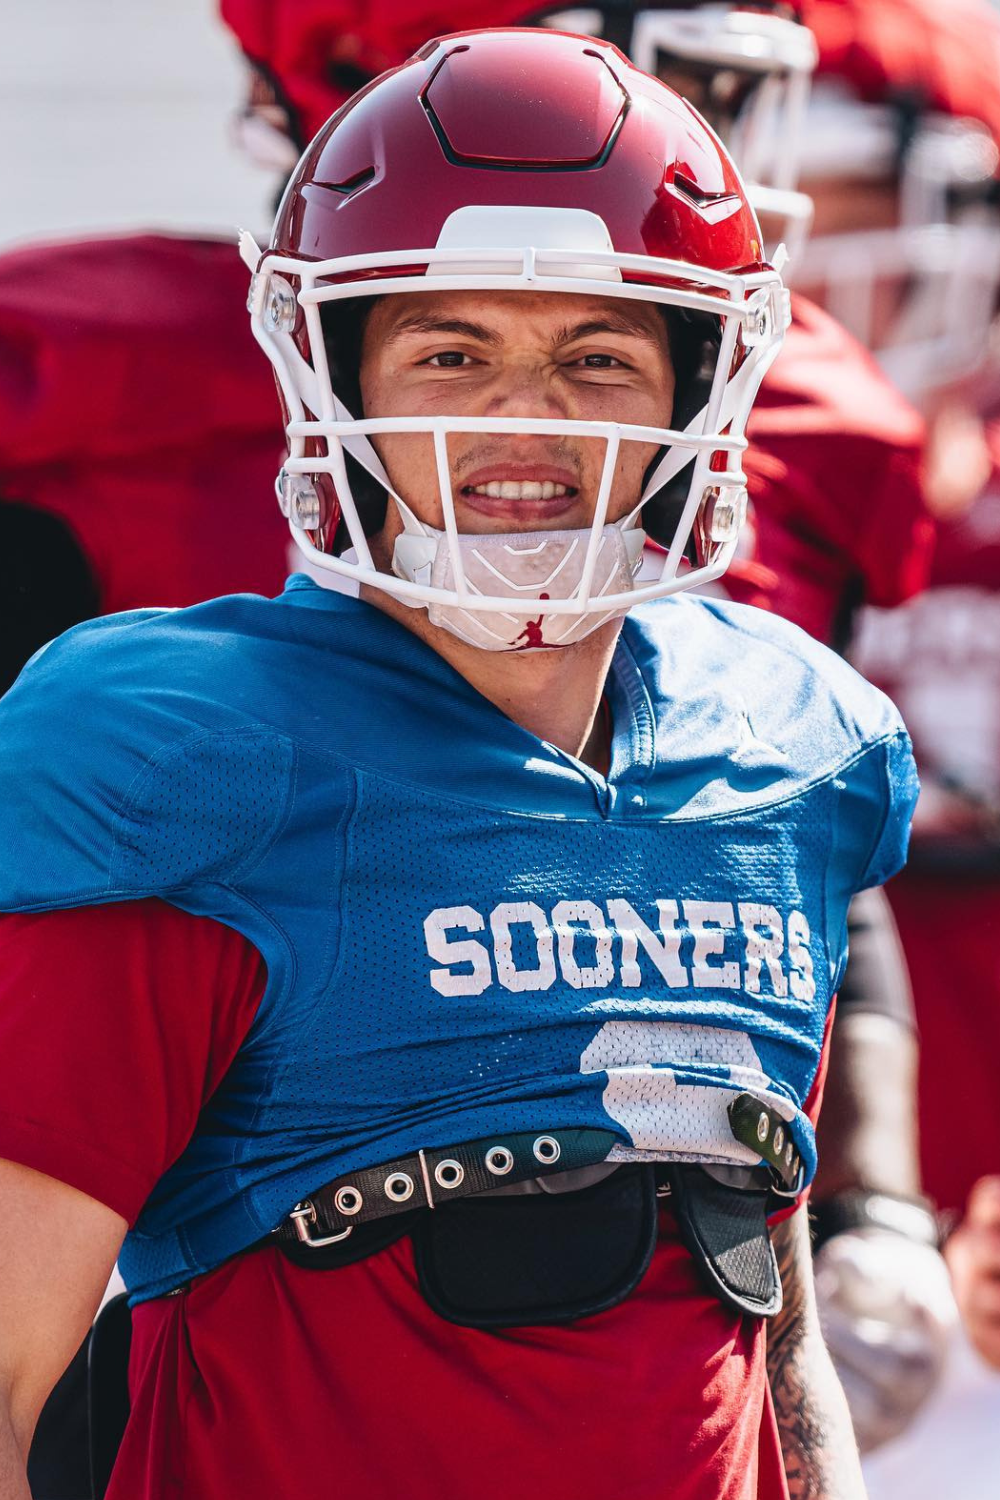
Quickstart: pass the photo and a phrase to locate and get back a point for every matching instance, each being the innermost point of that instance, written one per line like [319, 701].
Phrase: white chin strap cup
[536, 564]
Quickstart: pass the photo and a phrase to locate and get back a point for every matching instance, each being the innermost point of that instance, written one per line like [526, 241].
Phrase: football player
[385, 969]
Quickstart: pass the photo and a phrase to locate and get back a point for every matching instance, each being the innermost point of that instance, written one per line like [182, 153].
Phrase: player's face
[539, 355]
[846, 207]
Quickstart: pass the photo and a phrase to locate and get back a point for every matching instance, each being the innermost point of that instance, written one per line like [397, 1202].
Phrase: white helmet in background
[746, 67]
[899, 152]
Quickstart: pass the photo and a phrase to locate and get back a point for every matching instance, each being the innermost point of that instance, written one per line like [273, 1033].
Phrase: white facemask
[539, 564]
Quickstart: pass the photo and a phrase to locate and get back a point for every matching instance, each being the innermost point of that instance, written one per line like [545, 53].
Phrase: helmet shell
[527, 118]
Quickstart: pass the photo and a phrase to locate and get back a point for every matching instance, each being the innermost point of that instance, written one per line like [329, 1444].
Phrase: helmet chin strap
[538, 564]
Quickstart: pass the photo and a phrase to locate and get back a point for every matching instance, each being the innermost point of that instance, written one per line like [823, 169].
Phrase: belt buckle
[304, 1214]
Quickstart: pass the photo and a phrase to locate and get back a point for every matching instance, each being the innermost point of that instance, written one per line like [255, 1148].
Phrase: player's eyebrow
[609, 323]
[428, 323]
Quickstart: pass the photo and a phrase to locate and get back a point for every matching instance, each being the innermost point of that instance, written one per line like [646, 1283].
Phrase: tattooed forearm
[816, 1449]
[817, 1442]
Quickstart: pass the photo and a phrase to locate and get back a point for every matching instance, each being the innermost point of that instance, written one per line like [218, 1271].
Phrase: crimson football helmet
[513, 160]
[906, 104]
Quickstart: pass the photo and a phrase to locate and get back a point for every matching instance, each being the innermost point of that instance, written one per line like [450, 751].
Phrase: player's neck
[553, 694]
[556, 695]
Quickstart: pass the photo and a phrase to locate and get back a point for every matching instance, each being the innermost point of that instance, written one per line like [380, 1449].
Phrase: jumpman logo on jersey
[532, 633]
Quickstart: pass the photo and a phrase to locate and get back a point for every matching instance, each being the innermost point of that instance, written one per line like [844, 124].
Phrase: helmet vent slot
[351, 184]
[698, 196]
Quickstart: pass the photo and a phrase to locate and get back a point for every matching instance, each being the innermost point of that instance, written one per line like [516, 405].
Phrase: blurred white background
[115, 113]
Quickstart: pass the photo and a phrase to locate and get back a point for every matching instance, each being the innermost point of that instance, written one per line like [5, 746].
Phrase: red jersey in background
[939, 659]
[837, 513]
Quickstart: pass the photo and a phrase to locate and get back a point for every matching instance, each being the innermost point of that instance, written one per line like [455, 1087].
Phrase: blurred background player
[899, 155]
[908, 248]
[939, 656]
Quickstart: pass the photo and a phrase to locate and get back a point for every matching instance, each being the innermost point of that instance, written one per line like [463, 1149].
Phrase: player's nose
[527, 388]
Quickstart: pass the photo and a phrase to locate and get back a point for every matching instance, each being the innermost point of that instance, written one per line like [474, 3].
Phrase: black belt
[331, 1214]
[430, 1178]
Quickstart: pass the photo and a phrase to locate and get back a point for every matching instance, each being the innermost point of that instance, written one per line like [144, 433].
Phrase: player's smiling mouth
[524, 492]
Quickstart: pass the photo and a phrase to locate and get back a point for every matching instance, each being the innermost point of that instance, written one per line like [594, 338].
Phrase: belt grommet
[763, 1126]
[399, 1187]
[499, 1161]
[779, 1140]
[347, 1200]
[547, 1150]
[449, 1173]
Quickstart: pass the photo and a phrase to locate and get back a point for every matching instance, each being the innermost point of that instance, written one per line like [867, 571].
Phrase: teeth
[510, 489]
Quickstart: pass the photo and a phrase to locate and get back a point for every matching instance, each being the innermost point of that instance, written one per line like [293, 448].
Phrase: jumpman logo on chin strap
[532, 633]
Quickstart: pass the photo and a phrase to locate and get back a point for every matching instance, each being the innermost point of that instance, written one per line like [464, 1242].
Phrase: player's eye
[448, 359]
[601, 362]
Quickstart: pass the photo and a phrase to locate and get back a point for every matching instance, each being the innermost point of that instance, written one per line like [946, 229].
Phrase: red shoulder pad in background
[136, 406]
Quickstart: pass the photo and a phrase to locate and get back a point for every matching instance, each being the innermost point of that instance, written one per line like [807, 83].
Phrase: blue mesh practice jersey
[466, 930]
